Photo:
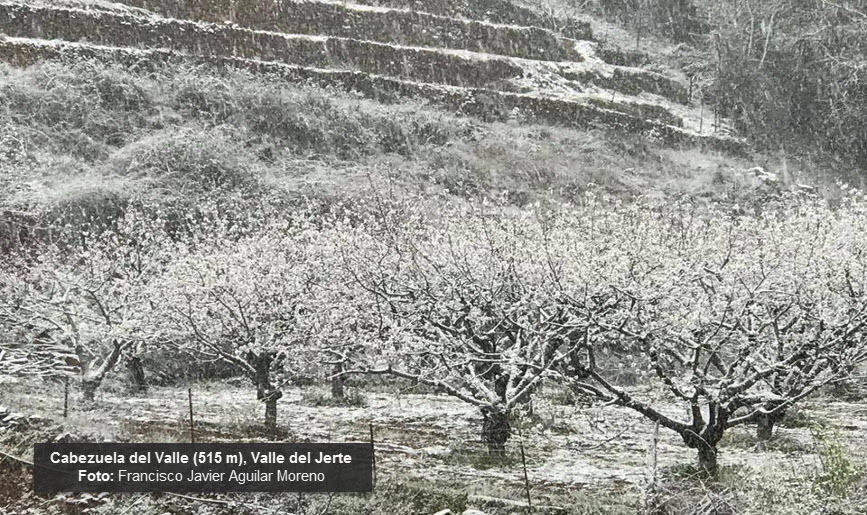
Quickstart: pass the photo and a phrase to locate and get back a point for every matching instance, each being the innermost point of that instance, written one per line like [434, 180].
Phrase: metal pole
[192, 427]
[524, 465]
[373, 453]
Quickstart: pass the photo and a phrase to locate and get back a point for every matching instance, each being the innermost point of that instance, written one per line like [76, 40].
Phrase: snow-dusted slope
[581, 90]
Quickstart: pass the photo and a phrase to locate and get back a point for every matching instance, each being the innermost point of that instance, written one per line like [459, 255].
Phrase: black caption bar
[208, 467]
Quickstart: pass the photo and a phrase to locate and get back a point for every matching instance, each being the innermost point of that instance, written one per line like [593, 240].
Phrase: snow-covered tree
[464, 303]
[78, 306]
[243, 301]
[736, 318]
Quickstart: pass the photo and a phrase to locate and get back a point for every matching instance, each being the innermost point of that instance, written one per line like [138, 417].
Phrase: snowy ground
[433, 437]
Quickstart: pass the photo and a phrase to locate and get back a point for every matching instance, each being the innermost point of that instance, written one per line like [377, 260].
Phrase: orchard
[733, 316]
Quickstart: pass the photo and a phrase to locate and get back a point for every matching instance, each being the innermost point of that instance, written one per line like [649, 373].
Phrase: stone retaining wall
[484, 104]
[389, 26]
[419, 64]
[227, 40]
[633, 83]
[496, 11]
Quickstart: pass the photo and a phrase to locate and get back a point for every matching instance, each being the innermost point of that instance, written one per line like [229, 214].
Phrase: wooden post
[715, 117]
[192, 427]
[650, 498]
[654, 451]
[373, 453]
[337, 382]
[65, 396]
[524, 465]
[689, 93]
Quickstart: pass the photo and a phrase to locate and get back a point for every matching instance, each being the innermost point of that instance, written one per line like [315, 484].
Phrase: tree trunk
[765, 427]
[337, 382]
[136, 374]
[528, 406]
[707, 462]
[526, 400]
[496, 431]
[92, 377]
[705, 443]
[262, 378]
[88, 389]
[271, 397]
[765, 423]
[265, 391]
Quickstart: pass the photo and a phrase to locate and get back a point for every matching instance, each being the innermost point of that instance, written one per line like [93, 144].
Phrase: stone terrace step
[497, 11]
[500, 12]
[386, 25]
[480, 103]
[426, 65]
[453, 67]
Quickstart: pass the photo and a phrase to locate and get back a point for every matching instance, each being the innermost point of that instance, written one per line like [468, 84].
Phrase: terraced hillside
[498, 66]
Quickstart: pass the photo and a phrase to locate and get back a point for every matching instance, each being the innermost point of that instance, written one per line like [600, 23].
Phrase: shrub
[188, 159]
[204, 96]
[678, 20]
[309, 121]
[839, 475]
[166, 366]
[318, 397]
[789, 73]
[87, 200]
[85, 107]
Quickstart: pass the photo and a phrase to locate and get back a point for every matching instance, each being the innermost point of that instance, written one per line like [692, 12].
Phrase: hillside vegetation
[787, 73]
[83, 140]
